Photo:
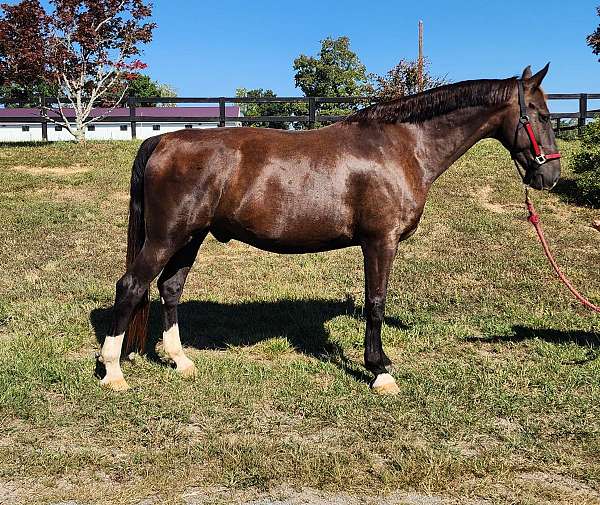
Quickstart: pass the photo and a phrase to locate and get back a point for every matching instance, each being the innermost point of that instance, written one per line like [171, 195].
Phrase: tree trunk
[79, 133]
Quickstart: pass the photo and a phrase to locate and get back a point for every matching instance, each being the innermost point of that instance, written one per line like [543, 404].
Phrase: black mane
[437, 101]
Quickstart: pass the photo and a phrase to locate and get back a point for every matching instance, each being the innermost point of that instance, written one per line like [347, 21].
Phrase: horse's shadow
[211, 325]
[586, 339]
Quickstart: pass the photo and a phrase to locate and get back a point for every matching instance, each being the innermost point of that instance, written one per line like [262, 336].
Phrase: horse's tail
[137, 331]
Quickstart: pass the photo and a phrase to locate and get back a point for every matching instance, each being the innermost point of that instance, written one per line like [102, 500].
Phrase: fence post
[132, 113]
[221, 112]
[557, 125]
[582, 111]
[312, 111]
[44, 120]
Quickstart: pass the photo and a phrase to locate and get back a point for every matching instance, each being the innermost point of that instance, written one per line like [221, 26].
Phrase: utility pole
[420, 60]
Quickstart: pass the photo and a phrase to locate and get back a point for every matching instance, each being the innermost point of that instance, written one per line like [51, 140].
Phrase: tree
[166, 91]
[23, 34]
[82, 49]
[403, 80]
[26, 95]
[142, 86]
[593, 39]
[264, 109]
[335, 72]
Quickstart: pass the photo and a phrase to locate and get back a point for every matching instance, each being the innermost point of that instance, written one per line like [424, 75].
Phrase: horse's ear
[536, 80]
[526, 72]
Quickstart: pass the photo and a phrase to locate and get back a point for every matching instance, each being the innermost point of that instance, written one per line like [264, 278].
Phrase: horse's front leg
[378, 257]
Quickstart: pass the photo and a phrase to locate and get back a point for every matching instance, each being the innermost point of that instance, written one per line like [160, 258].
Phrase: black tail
[137, 331]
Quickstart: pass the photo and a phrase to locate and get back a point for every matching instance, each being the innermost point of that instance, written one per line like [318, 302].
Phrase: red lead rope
[534, 219]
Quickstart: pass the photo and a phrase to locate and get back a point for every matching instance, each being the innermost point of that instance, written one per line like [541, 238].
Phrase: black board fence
[312, 106]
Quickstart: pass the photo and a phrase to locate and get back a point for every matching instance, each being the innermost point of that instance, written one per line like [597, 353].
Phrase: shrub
[568, 134]
[586, 164]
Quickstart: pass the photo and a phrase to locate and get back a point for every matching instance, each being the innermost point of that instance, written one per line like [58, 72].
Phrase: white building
[12, 129]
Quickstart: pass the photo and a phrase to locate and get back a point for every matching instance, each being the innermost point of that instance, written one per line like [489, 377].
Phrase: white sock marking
[111, 354]
[172, 344]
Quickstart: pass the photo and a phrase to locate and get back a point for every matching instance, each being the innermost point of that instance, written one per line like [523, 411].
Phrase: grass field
[497, 366]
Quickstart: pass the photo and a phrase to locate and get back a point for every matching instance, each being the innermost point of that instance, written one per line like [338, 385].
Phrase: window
[123, 127]
[57, 128]
[188, 126]
[156, 127]
[25, 128]
[91, 128]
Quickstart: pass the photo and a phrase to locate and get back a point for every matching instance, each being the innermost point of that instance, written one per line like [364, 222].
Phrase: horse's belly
[290, 238]
[292, 247]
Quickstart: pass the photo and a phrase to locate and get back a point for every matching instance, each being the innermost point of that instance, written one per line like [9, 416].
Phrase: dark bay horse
[360, 182]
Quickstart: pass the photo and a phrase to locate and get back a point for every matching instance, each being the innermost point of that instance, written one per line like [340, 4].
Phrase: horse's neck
[444, 139]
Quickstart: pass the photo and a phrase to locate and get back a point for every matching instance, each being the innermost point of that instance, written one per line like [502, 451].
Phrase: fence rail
[311, 118]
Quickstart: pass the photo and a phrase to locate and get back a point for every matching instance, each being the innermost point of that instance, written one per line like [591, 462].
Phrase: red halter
[540, 157]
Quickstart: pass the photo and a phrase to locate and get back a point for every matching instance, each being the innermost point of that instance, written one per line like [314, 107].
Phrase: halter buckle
[541, 159]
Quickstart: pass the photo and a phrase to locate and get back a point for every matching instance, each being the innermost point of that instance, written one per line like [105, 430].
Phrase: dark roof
[185, 112]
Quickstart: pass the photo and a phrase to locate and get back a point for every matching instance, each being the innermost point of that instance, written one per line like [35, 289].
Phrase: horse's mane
[437, 101]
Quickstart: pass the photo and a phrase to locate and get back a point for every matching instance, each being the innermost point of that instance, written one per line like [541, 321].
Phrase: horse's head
[527, 133]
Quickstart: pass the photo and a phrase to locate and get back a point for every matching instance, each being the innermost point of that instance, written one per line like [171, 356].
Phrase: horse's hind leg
[170, 286]
[129, 291]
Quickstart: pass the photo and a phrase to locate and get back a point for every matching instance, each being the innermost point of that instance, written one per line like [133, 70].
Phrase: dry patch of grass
[497, 366]
[76, 168]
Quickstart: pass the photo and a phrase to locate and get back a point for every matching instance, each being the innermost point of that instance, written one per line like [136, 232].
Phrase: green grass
[497, 365]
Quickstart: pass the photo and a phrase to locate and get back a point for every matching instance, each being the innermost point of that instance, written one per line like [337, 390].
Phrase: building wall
[14, 132]
[11, 132]
[145, 130]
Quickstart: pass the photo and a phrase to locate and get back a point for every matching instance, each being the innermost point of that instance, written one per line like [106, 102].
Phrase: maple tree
[85, 51]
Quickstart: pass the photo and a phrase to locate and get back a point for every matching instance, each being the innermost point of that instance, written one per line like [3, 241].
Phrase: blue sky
[211, 48]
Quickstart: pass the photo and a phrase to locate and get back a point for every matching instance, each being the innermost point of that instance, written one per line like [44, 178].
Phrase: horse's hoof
[188, 372]
[115, 384]
[385, 384]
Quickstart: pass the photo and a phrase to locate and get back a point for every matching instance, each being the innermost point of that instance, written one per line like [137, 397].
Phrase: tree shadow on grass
[587, 339]
[568, 192]
[210, 325]
[27, 143]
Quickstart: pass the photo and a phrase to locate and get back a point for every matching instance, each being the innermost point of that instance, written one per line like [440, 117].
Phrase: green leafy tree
[166, 90]
[26, 94]
[593, 39]
[586, 165]
[143, 87]
[264, 109]
[335, 72]
[403, 80]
